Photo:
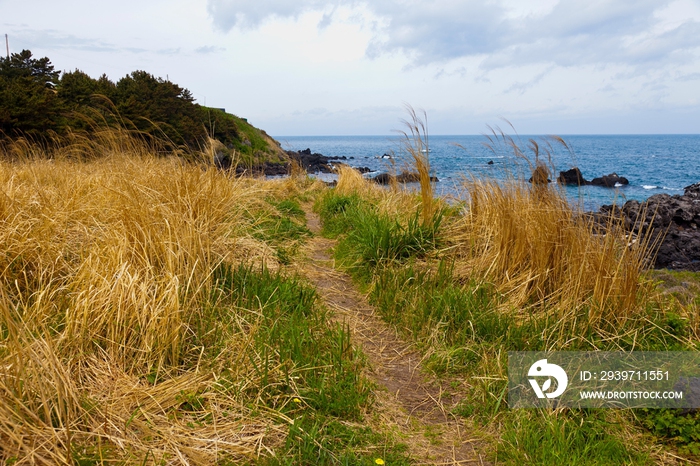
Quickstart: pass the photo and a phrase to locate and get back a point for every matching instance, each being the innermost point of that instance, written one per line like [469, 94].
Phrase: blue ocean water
[652, 163]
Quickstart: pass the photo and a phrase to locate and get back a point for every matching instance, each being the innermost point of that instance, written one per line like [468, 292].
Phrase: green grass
[317, 363]
[679, 428]
[314, 440]
[465, 328]
[282, 226]
[373, 240]
[578, 437]
[307, 369]
[338, 212]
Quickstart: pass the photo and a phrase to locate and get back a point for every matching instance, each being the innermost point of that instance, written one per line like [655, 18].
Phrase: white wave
[648, 186]
[618, 185]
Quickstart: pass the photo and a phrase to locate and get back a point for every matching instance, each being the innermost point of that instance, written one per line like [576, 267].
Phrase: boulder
[572, 177]
[405, 177]
[382, 178]
[314, 162]
[610, 181]
[672, 221]
[693, 190]
[540, 175]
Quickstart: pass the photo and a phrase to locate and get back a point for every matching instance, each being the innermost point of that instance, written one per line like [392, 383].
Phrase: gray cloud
[228, 14]
[52, 39]
[689, 77]
[618, 34]
[438, 31]
[521, 87]
[209, 49]
[169, 51]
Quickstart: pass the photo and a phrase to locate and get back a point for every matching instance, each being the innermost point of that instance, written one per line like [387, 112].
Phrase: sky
[346, 67]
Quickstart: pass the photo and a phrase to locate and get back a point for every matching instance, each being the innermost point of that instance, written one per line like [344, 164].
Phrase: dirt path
[414, 406]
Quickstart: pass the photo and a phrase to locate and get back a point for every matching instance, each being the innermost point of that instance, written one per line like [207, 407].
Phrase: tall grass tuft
[416, 144]
[544, 255]
[351, 181]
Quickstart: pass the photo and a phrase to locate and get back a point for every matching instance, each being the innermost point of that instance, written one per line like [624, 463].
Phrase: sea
[653, 164]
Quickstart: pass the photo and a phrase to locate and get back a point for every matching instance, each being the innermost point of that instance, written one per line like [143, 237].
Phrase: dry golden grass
[350, 181]
[543, 254]
[416, 145]
[526, 239]
[104, 270]
[395, 203]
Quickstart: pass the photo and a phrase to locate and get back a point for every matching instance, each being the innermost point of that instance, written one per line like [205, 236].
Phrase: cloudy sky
[311, 67]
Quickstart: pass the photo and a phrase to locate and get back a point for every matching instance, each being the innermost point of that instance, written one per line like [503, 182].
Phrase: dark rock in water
[363, 169]
[310, 162]
[382, 178]
[313, 162]
[490, 162]
[275, 169]
[405, 177]
[673, 222]
[572, 177]
[609, 181]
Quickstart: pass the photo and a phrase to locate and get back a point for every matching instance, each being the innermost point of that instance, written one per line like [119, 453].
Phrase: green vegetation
[505, 272]
[153, 312]
[147, 317]
[39, 103]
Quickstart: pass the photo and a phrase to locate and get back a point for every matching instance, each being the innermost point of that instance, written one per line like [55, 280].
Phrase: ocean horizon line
[399, 135]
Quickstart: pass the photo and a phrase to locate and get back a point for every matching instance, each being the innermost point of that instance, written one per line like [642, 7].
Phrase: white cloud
[565, 33]
[345, 66]
[228, 14]
[207, 49]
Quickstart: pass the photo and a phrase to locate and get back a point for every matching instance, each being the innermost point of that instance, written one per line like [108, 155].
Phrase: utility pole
[7, 44]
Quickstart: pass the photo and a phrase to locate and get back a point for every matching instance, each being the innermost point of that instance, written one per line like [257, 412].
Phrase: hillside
[40, 103]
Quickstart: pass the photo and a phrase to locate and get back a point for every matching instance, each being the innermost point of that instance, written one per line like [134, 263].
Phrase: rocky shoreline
[310, 162]
[318, 163]
[673, 223]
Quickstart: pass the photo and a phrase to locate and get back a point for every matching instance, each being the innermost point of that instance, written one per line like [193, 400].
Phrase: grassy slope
[147, 317]
[251, 146]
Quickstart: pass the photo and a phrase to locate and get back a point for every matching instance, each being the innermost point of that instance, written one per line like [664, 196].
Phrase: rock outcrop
[575, 177]
[673, 222]
[310, 162]
[405, 177]
[572, 177]
[610, 181]
[314, 162]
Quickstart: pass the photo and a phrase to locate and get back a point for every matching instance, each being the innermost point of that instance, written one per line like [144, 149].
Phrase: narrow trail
[414, 405]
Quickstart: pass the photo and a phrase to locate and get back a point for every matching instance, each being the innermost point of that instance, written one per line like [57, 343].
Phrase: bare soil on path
[414, 405]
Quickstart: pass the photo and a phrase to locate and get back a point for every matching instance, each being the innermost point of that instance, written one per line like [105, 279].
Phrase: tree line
[36, 100]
